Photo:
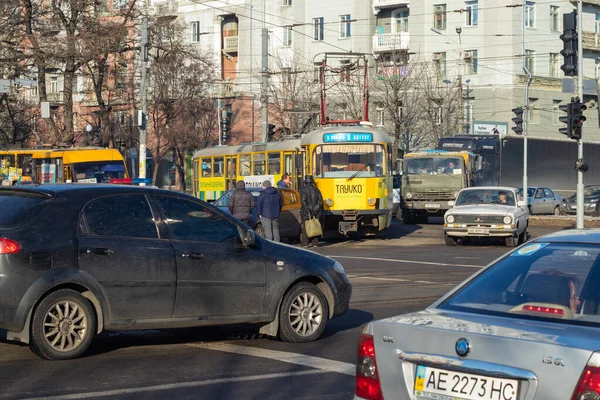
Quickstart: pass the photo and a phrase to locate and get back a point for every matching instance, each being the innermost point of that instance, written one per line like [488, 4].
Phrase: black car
[591, 201]
[76, 260]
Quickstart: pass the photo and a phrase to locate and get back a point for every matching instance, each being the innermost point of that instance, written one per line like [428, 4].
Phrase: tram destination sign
[347, 137]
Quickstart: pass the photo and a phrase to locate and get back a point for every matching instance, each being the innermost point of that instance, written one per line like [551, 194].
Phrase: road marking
[409, 261]
[395, 280]
[173, 386]
[322, 364]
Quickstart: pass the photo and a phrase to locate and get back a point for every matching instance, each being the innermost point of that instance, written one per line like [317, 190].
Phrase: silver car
[527, 327]
[484, 212]
[541, 200]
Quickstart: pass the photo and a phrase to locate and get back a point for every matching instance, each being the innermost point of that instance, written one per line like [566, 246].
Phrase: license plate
[479, 230]
[439, 384]
[573, 207]
[432, 206]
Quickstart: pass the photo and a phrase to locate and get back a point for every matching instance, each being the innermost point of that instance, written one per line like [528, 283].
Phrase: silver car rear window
[560, 281]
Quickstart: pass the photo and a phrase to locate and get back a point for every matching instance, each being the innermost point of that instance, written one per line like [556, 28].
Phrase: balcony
[389, 3]
[591, 41]
[167, 10]
[55, 97]
[390, 41]
[230, 44]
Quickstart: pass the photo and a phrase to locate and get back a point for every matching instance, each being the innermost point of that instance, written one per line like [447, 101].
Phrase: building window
[533, 113]
[318, 28]
[120, 4]
[554, 65]
[472, 14]
[554, 21]
[530, 14]
[345, 26]
[381, 116]
[597, 26]
[471, 62]
[439, 63]
[555, 111]
[287, 36]
[597, 71]
[195, 31]
[439, 17]
[54, 85]
[529, 61]
[286, 2]
[402, 21]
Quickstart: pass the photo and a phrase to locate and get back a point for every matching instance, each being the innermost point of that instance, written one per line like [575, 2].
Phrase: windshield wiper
[365, 166]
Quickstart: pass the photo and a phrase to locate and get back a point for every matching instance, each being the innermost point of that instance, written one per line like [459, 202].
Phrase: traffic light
[578, 118]
[518, 120]
[226, 117]
[567, 119]
[271, 132]
[569, 38]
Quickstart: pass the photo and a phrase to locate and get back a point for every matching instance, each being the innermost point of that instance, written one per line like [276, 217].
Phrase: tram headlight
[450, 219]
[409, 195]
[371, 201]
[329, 202]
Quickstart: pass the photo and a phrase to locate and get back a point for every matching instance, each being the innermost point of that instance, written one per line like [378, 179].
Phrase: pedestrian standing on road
[269, 206]
[241, 203]
[285, 182]
[312, 207]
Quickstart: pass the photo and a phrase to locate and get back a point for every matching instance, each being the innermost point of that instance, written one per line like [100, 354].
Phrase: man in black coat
[312, 207]
[241, 203]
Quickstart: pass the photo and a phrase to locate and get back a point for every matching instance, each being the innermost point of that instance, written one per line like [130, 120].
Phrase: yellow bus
[79, 165]
[17, 163]
[217, 169]
[352, 168]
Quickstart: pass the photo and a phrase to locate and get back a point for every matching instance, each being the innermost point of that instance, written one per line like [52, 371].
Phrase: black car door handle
[193, 256]
[100, 251]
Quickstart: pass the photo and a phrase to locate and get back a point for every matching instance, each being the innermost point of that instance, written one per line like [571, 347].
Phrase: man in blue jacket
[269, 206]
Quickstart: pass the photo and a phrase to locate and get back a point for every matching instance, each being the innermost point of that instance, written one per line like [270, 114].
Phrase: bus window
[245, 164]
[259, 164]
[218, 166]
[345, 160]
[274, 163]
[7, 161]
[206, 167]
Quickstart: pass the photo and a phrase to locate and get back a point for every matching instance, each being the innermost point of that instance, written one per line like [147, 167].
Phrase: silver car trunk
[547, 358]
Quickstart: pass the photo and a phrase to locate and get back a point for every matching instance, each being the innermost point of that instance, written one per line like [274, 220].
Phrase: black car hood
[294, 255]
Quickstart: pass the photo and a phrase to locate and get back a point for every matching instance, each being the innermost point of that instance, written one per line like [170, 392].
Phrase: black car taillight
[588, 387]
[8, 246]
[367, 379]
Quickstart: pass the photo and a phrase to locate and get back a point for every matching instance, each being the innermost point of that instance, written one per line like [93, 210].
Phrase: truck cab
[431, 181]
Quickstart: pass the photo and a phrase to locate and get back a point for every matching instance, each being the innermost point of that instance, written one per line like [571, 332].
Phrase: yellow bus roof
[86, 154]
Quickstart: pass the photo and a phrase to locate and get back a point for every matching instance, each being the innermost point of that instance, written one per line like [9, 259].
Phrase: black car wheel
[303, 315]
[63, 326]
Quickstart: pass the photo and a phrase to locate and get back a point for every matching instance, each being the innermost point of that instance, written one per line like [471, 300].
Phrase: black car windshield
[23, 207]
[485, 196]
[98, 171]
[591, 191]
[540, 280]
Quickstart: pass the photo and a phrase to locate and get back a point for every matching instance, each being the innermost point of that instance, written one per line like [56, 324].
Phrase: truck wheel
[450, 241]
[408, 218]
[63, 326]
[303, 315]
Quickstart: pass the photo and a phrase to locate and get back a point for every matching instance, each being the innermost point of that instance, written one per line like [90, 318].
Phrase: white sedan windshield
[486, 196]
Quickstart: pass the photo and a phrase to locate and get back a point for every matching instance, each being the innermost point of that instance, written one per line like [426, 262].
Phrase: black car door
[217, 275]
[120, 247]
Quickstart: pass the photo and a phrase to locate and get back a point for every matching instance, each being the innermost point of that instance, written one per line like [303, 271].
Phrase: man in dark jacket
[241, 203]
[269, 206]
[312, 207]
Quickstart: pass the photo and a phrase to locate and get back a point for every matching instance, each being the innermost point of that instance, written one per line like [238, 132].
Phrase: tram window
[345, 160]
[287, 164]
[274, 163]
[206, 167]
[259, 164]
[218, 166]
[231, 168]
[245, 165]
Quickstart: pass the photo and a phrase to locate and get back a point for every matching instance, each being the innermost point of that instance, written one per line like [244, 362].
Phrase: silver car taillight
[367, 380]
[588, 387]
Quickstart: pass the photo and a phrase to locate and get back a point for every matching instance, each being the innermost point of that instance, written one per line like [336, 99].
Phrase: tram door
[230, 175]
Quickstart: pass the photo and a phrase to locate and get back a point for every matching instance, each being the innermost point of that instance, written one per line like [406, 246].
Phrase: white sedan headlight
[450, 219]
[507, 220]
[338, 268]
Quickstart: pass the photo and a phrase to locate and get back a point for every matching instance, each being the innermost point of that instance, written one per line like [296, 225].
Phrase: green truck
[431, 181]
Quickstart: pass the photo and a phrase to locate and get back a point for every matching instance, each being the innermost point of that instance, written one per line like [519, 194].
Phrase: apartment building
[479, 43]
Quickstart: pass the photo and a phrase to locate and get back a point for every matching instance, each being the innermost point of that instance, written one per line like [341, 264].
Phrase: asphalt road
[406, 270]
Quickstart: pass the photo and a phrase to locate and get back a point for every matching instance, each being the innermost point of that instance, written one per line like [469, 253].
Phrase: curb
[563, 222]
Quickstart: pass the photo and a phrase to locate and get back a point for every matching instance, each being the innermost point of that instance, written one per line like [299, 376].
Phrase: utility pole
[264, 84]
[526, 116]
[144, 95]
[580, 93]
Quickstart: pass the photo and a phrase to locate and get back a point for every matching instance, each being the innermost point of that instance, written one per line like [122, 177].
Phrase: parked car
[77, 260]
[289, 222]
[541, 200]
[591, 201]
[485, 212]
[525, 327]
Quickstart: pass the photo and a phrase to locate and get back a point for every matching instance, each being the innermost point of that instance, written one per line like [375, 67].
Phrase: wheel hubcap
[306, 314]
[65, 326]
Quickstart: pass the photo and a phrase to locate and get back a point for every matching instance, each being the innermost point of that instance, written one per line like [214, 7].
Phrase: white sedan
[487, 212]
